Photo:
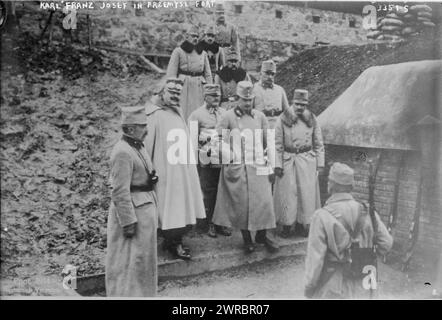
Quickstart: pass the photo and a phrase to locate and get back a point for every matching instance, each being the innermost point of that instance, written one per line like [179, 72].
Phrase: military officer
[332, 229]
[228, 78]
[299, 157]
[225, 34]
[131, 257]
[270, 98]
[212, 48]
[206, 117]
[180, 200]
[189, 63]
[244, 199]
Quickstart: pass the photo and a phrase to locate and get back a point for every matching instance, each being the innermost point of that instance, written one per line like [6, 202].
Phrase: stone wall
[162, 29]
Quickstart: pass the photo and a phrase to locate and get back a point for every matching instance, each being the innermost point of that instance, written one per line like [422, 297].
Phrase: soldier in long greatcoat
[131, 255]
[244, 198]
[189, 63]
[180, 200]
[299, 157]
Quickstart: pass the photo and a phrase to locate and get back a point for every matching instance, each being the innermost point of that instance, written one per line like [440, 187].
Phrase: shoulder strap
[358, 226]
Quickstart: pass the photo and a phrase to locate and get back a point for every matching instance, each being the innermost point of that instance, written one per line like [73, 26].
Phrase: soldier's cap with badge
[300, 96]
[219, 8]
[342, 174]
[212, 89]
[210, 30]
[174, 85]
[268, 65]
[231, 54]
[244, 90]
[133, 115]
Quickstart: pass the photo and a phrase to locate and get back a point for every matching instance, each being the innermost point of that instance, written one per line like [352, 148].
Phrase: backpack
[357, 261]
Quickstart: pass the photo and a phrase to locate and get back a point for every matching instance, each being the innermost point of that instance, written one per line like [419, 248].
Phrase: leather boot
[261, 237]
[305, 230]
[249, 247]
[224, 231]
[212, 232]
[285, 232]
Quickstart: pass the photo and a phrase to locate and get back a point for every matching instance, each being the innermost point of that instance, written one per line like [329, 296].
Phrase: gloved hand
[279, 172]
[272, 178]
[130, 230]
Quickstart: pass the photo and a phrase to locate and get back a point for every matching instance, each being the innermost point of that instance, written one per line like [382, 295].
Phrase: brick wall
[430, 231]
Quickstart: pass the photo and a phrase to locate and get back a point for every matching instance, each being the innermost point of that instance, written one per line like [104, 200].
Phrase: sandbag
[393, 37]
[381, 37]
[428, 24]
[420, 7]
[408, 30]
[390, 28]
[408, 16]
[392, 15]
[425, 14]
[373, 34]
[421, 19]
[392, 22]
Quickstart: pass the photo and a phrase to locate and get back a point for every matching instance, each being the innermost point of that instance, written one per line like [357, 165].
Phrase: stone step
[208, 254]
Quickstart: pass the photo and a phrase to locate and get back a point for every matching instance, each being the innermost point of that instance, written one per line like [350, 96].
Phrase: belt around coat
[190, 73]
[142, 188]
[298, 150]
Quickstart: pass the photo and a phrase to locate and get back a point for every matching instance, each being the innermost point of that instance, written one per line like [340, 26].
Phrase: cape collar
[228, 74]
[189, 47]
[212, 47]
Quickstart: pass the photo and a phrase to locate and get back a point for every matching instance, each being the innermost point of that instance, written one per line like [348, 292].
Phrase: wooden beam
[134, 52]
[152, 65]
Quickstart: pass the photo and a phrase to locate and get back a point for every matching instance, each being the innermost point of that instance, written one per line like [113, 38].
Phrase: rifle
[414, 228]
[394, 208]
[371, 186]
[371, 203]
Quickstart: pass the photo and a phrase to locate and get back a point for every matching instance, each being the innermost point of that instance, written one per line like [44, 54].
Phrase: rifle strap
[358, 225]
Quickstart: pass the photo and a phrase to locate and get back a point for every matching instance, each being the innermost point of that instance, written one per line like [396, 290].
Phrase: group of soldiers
[207, 88]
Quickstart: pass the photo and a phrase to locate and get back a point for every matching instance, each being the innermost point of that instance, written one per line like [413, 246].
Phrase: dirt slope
[59, 120]
[327, 71]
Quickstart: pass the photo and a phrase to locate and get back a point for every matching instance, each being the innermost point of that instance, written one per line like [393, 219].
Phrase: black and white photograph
[241, 151]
